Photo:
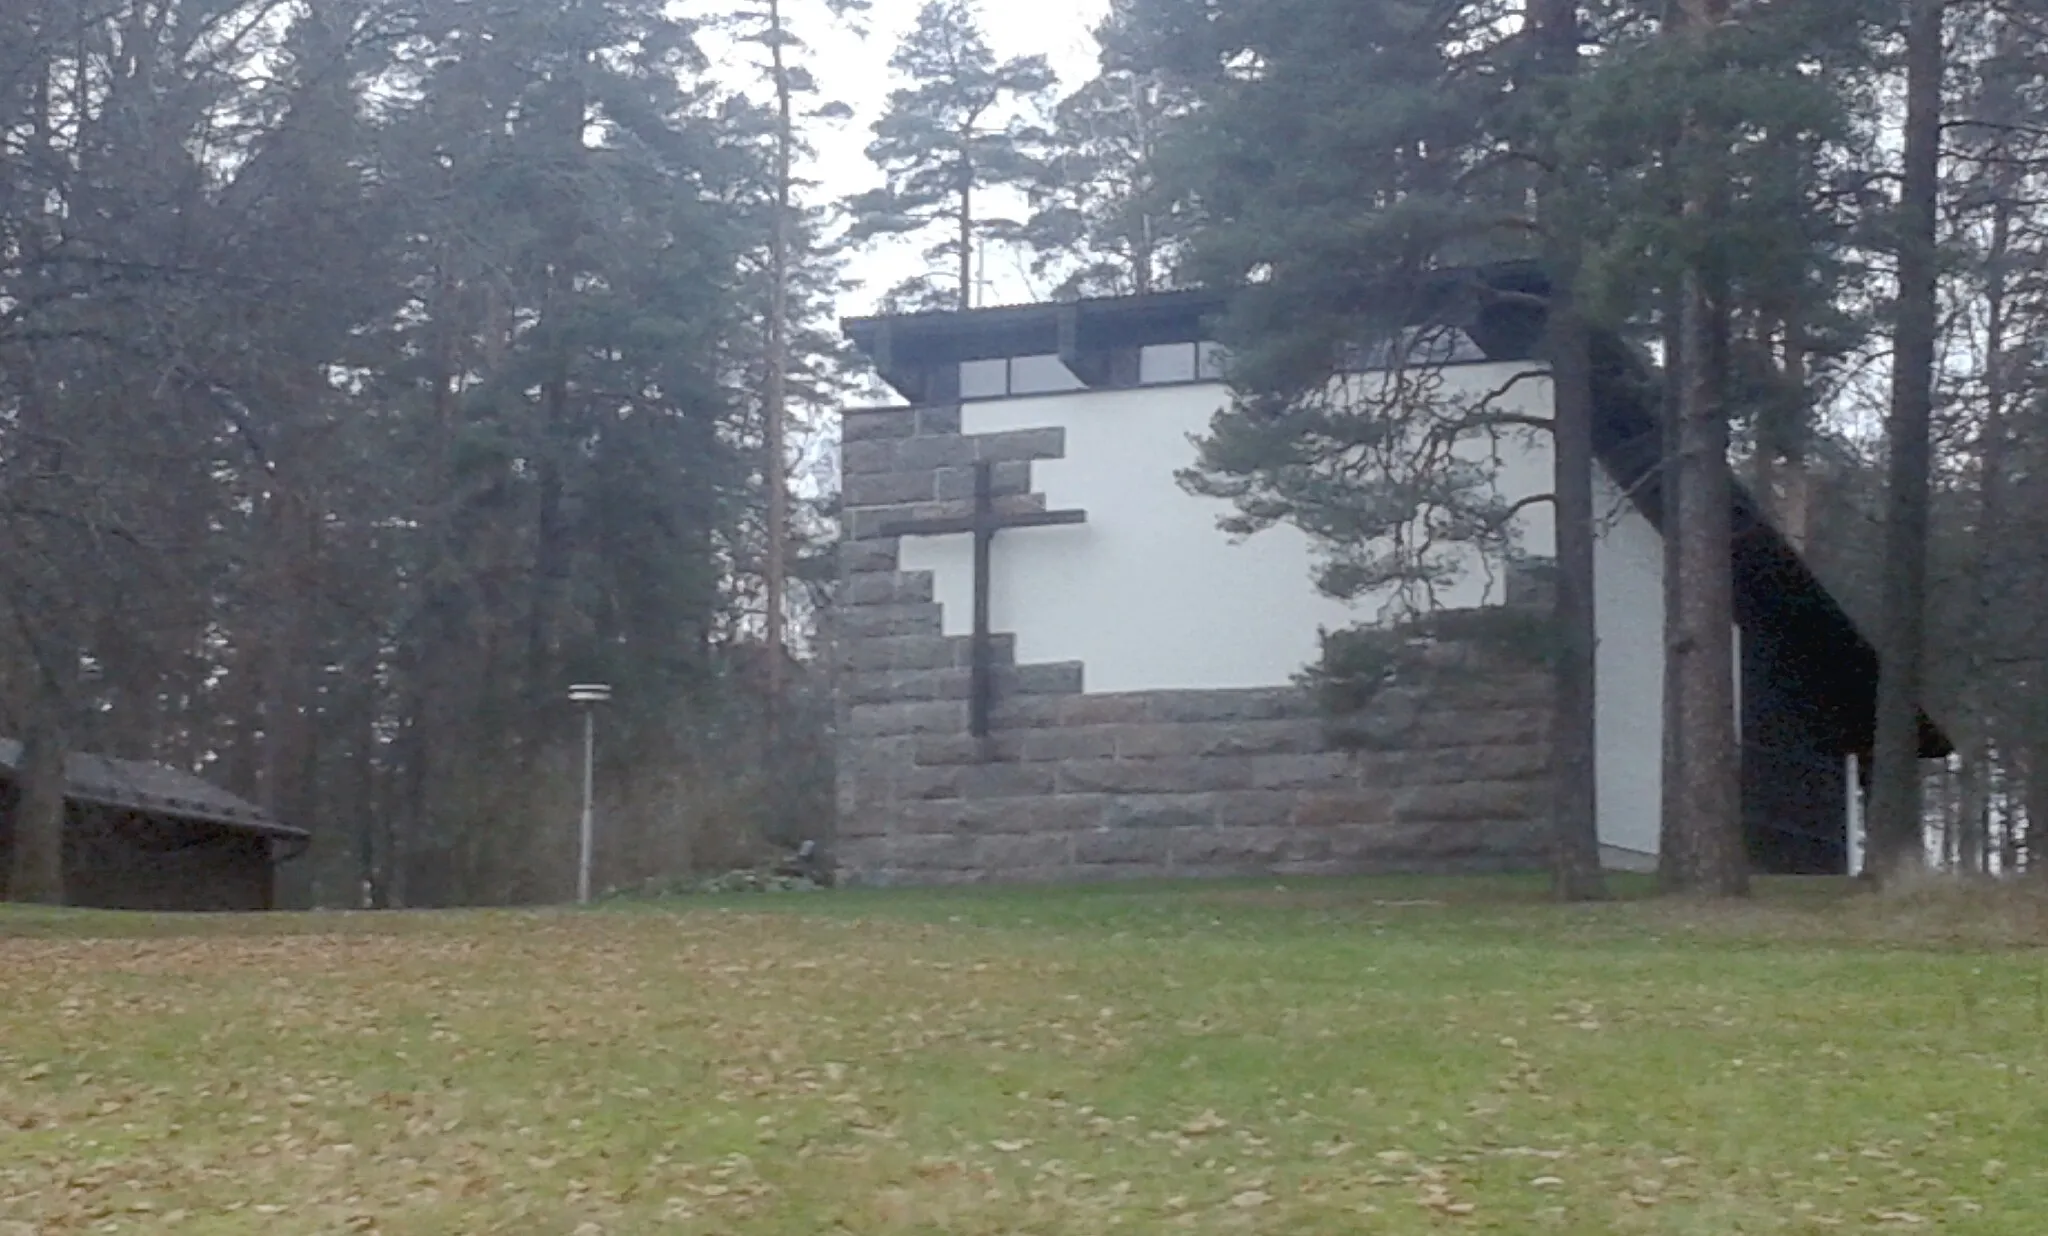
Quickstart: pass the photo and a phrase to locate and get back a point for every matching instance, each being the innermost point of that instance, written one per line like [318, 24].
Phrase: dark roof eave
[904, 345]
[898, 341]
[240, 824]
[968, 322]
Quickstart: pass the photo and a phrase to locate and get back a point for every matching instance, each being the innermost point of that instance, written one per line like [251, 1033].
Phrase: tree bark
[292, 530]
[966, 234]
[1145, 245]
[1575, 847]
[1795, 502]
[1673, 843]
[1708, 787]
[1575, 824]
[1897, 841]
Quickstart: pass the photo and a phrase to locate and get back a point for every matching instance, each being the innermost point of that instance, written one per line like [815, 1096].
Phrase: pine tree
[1897, 834]
[408, 362]
[771, 25]
[1334, 145]
[1362, 145]
[593, 456]
[965, 127]
[1102, 218]
[1996, 158]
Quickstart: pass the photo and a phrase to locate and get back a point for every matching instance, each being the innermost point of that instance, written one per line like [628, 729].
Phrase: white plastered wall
[1628, 620]
[1149, 594]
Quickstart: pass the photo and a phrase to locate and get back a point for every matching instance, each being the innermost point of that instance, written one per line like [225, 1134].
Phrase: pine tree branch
[1996, 126]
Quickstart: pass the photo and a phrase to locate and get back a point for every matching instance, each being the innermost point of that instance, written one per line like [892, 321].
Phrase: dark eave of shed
[154, 790]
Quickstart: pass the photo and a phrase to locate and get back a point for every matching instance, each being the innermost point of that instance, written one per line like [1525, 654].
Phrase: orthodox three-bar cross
[985, 521]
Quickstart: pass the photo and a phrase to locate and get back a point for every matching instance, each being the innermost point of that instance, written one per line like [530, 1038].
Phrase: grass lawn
[1302, 1058]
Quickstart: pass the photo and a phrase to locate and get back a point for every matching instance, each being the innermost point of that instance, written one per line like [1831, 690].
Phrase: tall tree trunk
[2018, 842]
[36, 873]
[552, 552]
[288, 746]
[1673, 843]
[1976, 808]
[405, 840]
[2015, 814]
[1145, 245]
[1709, 788]
[288, 710]
[1992, 477]
[1896, 837]
[1794, 490]
[1709, 784]
[551, 566]
[367, 894]
[966, 190]
[1575, 824]
[775, 393]
[1950, 800]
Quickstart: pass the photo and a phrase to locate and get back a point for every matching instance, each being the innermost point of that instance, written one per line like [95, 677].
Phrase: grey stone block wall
[1072, 786]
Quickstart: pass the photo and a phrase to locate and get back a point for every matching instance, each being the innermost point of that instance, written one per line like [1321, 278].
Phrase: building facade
[1055, 665]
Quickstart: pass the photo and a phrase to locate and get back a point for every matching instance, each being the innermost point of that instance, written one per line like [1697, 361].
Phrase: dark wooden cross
[984, 523]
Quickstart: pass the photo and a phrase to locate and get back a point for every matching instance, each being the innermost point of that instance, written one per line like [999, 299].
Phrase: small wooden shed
[142, 836]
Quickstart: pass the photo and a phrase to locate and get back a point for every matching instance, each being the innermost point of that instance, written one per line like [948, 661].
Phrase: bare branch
[1500, 522]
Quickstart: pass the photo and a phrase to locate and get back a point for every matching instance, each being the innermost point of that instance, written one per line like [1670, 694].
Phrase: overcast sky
[856, 72]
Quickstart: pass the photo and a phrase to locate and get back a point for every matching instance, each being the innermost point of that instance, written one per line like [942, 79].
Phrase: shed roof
[153, 789]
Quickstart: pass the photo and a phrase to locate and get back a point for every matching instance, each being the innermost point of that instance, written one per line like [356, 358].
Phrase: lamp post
[589, 695]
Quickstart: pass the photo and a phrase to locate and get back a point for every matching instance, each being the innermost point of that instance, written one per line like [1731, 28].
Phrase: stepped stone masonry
[1448, 775]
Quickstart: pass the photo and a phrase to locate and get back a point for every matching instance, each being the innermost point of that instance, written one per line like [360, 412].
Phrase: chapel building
[1054, 665]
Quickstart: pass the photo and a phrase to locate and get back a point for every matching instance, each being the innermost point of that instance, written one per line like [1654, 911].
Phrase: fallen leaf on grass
[1438, 1198]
